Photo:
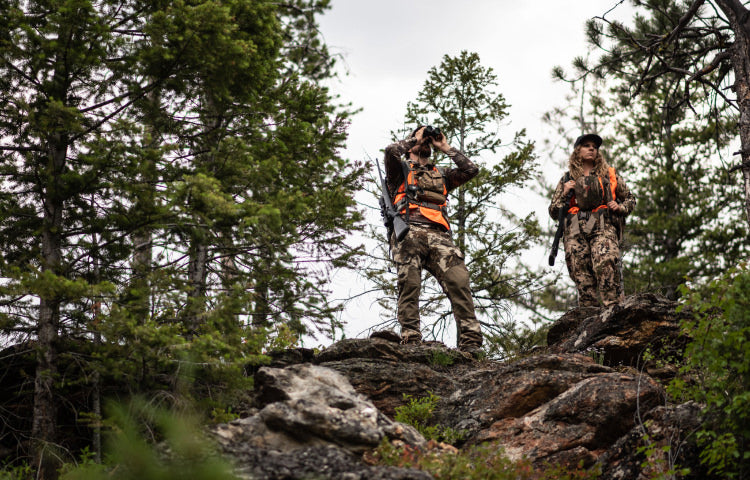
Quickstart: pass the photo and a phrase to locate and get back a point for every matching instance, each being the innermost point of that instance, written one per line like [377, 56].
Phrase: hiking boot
[411, 340]
[474, 352]
[388, 335]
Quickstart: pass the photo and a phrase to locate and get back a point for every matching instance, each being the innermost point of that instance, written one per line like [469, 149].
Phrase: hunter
[597, 202]
[419, 191]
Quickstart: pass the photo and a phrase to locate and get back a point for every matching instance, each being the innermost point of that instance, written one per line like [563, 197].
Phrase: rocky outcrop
[581, 402]
[308, 405]
[620, 335]
[548, 408]
[657, 444]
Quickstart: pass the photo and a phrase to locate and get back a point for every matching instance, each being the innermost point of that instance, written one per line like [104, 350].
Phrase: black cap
[589, 137]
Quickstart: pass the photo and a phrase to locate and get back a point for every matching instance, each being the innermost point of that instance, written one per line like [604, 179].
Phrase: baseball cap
[589, 137]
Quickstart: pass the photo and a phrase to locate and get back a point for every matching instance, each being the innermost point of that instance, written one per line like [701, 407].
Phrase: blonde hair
[575, 164]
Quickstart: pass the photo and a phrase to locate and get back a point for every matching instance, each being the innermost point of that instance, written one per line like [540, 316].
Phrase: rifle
[560, 224]
[391, 218]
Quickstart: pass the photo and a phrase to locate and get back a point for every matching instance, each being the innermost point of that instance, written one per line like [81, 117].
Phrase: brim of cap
[590, 137]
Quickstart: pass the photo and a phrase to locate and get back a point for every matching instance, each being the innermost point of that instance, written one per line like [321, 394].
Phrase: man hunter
[419, 191]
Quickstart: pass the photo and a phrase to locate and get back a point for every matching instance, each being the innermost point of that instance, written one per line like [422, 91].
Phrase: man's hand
[442, 145]
[418, 135]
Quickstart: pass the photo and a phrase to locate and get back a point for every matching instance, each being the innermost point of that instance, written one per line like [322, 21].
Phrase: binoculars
[432, 132]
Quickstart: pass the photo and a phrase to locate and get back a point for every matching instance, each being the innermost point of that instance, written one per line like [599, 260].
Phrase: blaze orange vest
[612, 185]
[429, 210]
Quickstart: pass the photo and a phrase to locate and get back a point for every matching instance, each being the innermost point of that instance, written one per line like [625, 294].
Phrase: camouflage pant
[593, 261]
[435, 251]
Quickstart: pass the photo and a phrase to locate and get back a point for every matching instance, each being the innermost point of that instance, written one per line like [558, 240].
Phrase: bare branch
[684, 20]
[713, 65]
[20, 149]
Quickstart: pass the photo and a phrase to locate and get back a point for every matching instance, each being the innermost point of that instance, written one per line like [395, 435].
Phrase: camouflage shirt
[623, 196]
[454, 177]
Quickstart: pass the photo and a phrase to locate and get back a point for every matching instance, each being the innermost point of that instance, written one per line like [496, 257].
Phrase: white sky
[389, 45]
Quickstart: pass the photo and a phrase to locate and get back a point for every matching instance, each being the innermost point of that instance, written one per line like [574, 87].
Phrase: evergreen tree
[460, 97]
[257, 181]
[149, 161]
[684, 227]
[65, 67]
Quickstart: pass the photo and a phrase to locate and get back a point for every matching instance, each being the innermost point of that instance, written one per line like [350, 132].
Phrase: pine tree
[253, 173]
[147, 160]
[684, 227]
[65, 65]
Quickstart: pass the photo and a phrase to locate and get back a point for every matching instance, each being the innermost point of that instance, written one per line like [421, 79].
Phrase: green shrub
[717, 371]
[149, 443]
[16, 472]
[479, 462]
[660, 460]
[441, 358]
[418, 413]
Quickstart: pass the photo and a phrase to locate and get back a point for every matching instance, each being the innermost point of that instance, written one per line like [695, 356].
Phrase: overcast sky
[388, 46]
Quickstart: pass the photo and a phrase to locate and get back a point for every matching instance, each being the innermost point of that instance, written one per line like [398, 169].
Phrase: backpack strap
[617, 220]
[612, 183]
[404, 203]
[566, 200]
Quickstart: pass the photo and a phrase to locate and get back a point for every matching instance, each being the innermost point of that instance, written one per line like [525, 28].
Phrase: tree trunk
[199, 246]
[142, 261]
[261, 315]
[229, 272]
[141, 267]
[143, 238]
[197, 271]
[96, 401]
[462, 210]
[739, 21]
[44, 429]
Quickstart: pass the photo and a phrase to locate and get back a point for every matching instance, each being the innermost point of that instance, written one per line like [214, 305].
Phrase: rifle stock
[558, 236]
[392, 220]
[560, 225]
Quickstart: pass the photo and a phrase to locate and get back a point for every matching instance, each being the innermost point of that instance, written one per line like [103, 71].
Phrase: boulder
[660, 441]
[578, 425]
[621, 334]
[385, 371]
[311, 406]
[492, 391]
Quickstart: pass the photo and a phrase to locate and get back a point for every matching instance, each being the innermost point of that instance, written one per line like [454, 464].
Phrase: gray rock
[309, 408]
[310, 463]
